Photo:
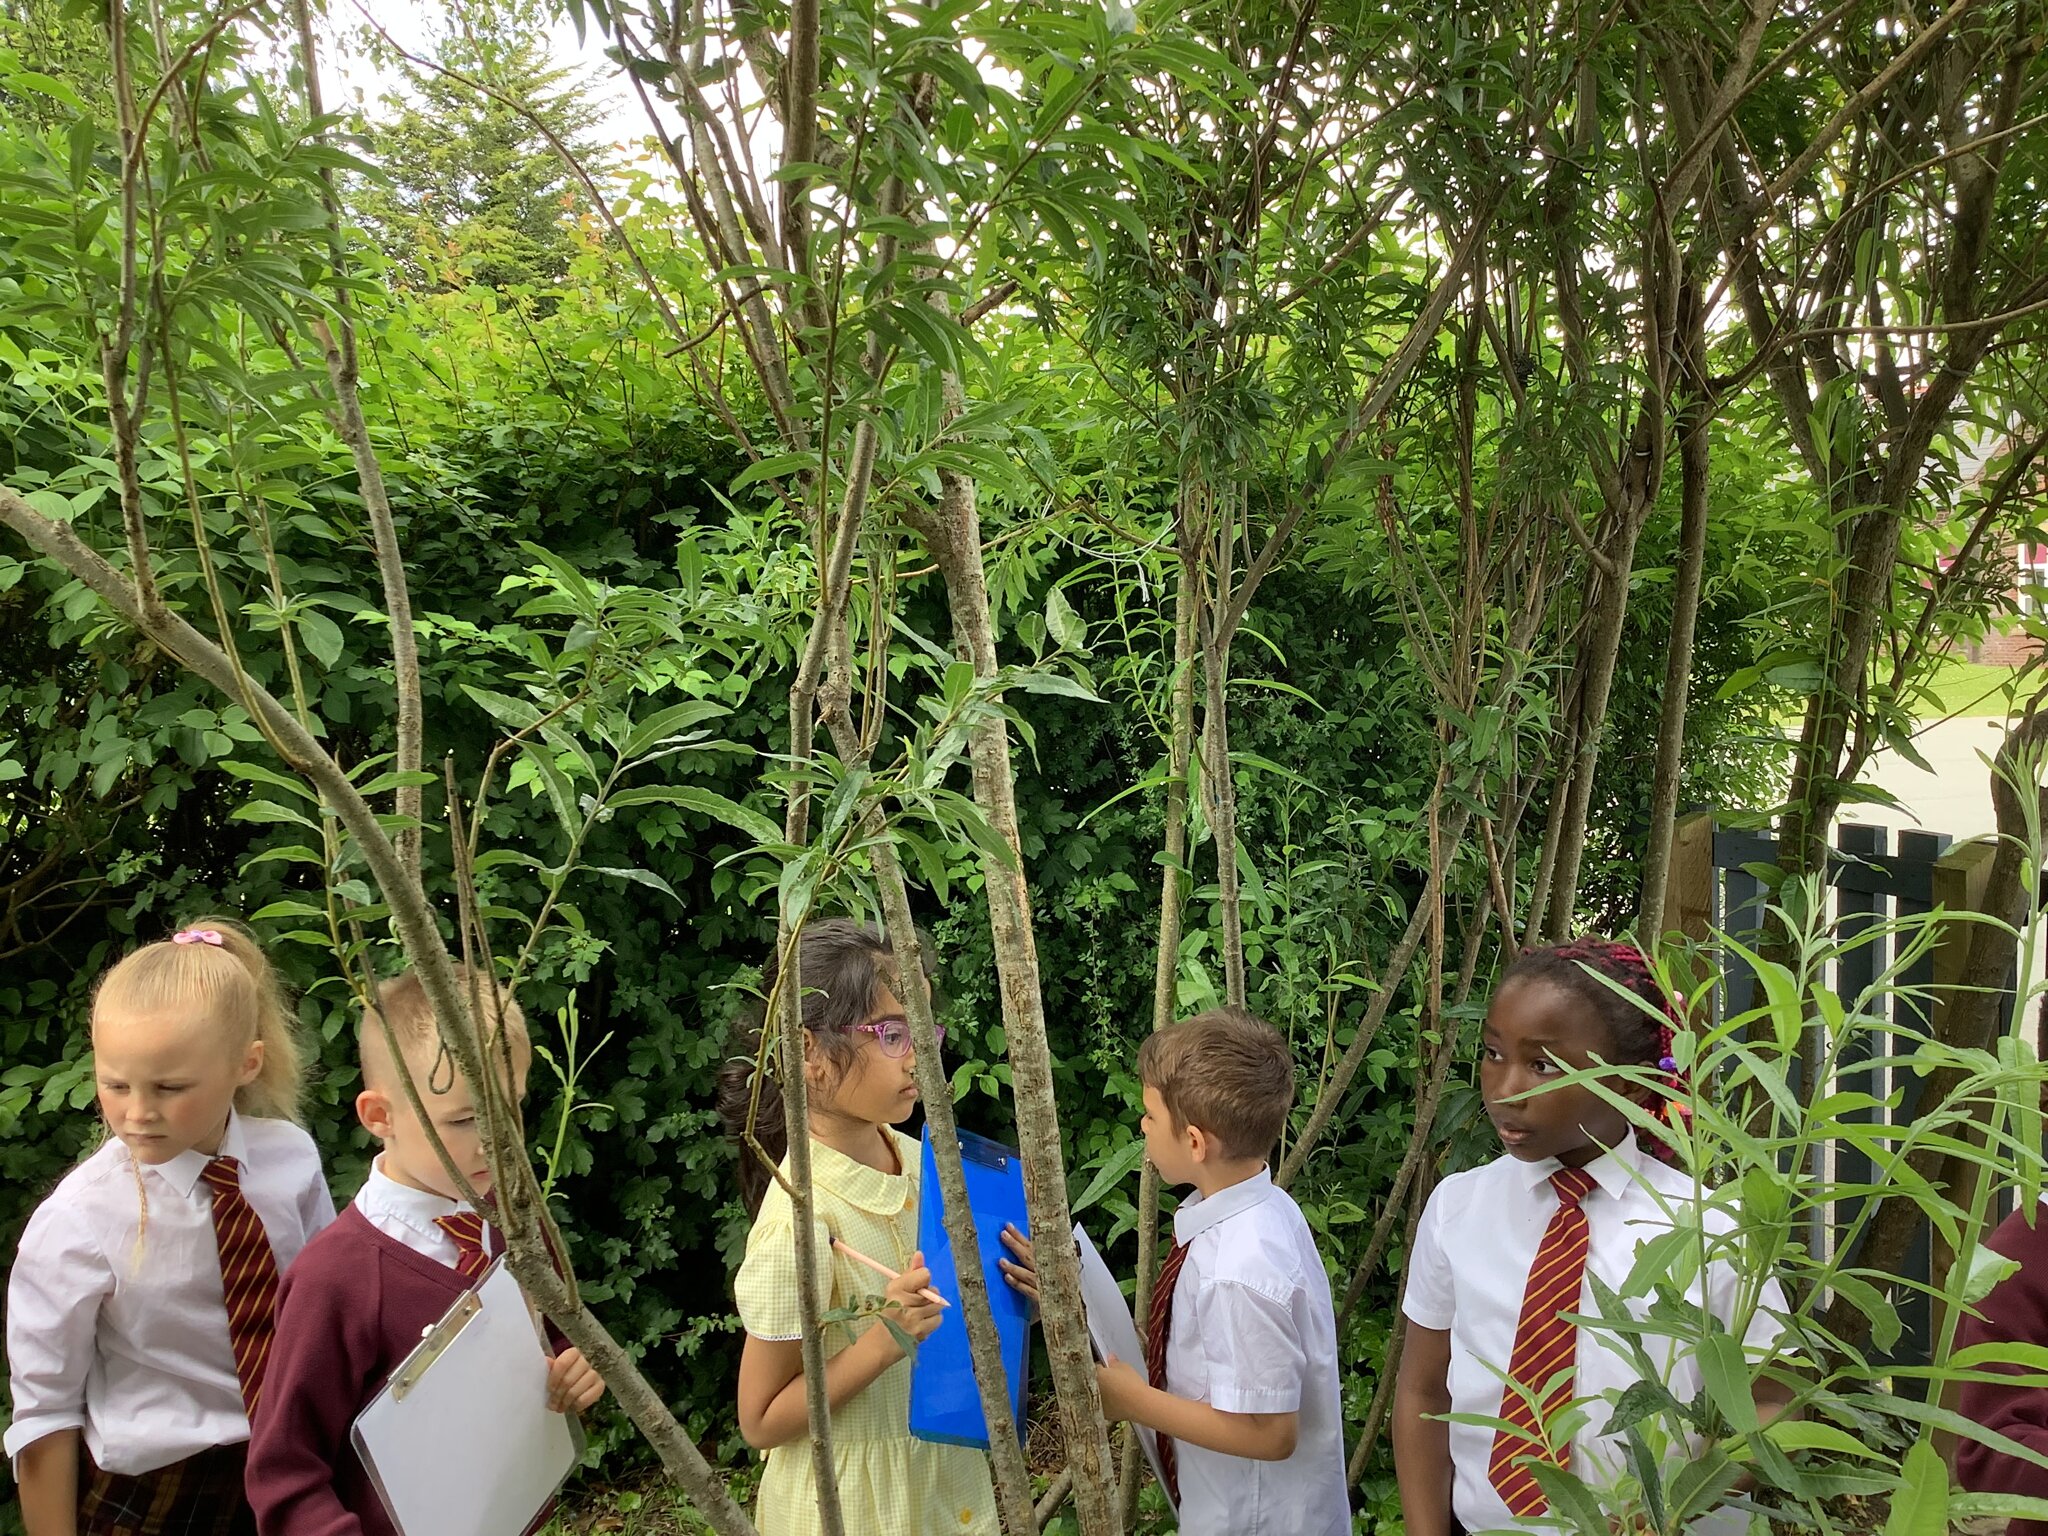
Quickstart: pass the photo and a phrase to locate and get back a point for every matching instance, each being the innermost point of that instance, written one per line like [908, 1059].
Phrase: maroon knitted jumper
[2016, 1311]
[352, 1306]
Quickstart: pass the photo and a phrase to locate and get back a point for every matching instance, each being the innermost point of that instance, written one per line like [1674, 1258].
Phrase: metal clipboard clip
[434, 1345]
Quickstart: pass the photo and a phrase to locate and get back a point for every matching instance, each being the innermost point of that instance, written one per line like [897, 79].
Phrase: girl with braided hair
[1502, 1255]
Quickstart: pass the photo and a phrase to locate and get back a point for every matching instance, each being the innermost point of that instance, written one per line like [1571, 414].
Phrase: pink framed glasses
[893, 1035]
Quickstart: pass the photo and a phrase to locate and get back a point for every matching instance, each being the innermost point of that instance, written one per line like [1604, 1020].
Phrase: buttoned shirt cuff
[28, 1428]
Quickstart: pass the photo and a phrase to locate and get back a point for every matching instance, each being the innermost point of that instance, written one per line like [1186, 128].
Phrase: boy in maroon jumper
[356, 1301]
[2015, 1312]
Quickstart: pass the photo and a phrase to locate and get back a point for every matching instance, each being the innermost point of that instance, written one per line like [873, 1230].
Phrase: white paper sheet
[1112, 1332]
[472, 1449]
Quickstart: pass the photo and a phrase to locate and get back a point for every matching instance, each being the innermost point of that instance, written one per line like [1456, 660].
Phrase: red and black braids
[1640, 1037]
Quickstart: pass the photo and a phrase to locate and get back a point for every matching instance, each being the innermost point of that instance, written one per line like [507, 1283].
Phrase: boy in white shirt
[1242, 1384]
[391, 1265]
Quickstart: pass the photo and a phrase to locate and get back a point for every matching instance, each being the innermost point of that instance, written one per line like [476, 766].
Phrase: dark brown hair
[1227, 1071]
[844, 964]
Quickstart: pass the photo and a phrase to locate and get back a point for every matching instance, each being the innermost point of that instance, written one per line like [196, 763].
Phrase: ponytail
[214, 967]
[844, 964]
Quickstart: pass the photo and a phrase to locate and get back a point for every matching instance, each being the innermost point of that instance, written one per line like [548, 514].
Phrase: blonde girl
[139, 1308]
[858, 1070]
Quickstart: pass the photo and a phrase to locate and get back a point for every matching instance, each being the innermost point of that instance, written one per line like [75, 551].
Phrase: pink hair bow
[197, 936]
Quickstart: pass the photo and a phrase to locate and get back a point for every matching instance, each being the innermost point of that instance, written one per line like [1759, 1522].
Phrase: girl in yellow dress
[858, 1069]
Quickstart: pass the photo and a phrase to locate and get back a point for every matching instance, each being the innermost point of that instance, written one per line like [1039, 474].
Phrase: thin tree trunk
[1221, 784]
[984, 1345]
[1694, 445]
[1422, 1137]
[338, 347]
[1180, 753]
[1217, 777]
[1016, 950]
[1397, 1339]
[1006, 1449]
[413, 917]
[828, 624]
[1392, 978]
[1603, 651]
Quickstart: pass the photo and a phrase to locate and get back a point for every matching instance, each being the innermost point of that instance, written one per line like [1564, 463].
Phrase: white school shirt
[406, 1215]
[1254, 1332]
[1473, 1250]
[128, 1340]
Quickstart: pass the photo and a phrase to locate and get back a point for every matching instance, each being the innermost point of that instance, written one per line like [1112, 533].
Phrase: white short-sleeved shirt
[407, 1215]
[116, 1326]
[1254, 1332]
[1473, 1249]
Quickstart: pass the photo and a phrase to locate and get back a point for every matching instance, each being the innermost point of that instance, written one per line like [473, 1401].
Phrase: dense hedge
[108, 783]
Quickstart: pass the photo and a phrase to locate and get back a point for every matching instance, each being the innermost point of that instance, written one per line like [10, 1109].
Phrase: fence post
[1960, 876]
[1689, 881]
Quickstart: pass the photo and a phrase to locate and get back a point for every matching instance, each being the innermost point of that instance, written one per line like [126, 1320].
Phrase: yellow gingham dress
[889, 1483]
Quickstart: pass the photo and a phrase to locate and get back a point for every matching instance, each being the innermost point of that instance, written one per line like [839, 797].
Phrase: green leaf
[322, 636]
[270, 810]
[1112, 1172]
[1067, 626]
[704, 801]
[289, 908]
[645, 877]
[1988, 1268]
[1729, 1385]
[664, 724]
[515, 714]
[1920, 1504]
[257, 773]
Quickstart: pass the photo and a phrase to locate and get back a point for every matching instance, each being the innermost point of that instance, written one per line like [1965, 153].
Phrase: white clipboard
[461, 1441]
[1112, 1332]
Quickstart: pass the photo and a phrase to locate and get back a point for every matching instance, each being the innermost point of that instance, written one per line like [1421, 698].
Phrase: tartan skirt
[199, 1496]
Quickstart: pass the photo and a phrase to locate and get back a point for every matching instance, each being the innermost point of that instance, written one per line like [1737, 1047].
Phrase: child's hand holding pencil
[915, 1307]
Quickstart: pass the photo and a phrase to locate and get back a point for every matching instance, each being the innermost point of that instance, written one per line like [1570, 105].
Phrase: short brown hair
[1227, 1071]
[402, 1003]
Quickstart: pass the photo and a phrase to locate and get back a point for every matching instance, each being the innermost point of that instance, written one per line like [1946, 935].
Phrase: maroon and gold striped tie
[1159, 1328]
[1545, 1356]
[248, 1275]
[467, 1229]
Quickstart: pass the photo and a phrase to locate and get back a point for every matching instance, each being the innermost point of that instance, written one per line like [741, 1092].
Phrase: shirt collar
[1613, 1171]
[883, 1194]
[182, 1172]
[417, 1208]
[1198, 1213]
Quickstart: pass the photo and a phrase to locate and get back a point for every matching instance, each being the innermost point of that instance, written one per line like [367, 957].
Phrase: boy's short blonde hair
[1227, 1071]
[402, 1003]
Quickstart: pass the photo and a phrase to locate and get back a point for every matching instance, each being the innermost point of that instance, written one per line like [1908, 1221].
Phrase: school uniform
[1253, 1331]
[118, 1326]
[1469, 1269]
[889, 1483]
[2016, 1312]
[352, 1308]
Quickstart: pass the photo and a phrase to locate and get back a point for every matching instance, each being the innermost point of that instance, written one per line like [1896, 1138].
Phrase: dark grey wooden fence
[1870, 878]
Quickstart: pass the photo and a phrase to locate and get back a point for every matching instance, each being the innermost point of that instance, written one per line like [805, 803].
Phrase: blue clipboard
[945, 1404]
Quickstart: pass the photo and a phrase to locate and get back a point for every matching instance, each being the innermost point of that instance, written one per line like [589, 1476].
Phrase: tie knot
[223, 1173]
[1572, 1185]
[463, 1226]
